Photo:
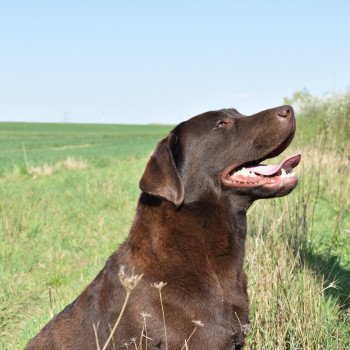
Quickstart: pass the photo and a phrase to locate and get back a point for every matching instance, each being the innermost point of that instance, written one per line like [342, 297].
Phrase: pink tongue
[267, 170]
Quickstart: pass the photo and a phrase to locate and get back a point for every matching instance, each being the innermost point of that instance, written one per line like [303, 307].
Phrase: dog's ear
[161, 177]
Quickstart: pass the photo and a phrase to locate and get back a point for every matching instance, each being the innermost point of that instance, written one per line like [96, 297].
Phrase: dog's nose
[285, 112]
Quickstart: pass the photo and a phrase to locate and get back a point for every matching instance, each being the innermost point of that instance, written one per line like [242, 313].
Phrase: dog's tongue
[268, 170]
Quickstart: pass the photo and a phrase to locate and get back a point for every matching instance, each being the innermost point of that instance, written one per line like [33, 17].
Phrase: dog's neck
[200, 231]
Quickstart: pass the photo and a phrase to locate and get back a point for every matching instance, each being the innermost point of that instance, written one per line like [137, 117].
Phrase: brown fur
[189, 231]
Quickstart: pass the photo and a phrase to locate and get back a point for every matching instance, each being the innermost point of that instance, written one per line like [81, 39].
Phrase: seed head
[145, 315]
[129, 282]
[159, 285]
[245, 328]
[198, 323]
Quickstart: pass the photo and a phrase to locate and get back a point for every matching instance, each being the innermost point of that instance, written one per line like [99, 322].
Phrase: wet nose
[285, 112]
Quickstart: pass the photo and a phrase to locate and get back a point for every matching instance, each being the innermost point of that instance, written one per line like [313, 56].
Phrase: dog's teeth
[283, 173]
[245, 172]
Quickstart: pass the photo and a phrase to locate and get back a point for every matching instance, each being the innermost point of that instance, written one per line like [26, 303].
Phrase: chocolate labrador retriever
[189, 231]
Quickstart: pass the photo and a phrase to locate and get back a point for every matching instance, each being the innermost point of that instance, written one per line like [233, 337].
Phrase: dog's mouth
[254, 174]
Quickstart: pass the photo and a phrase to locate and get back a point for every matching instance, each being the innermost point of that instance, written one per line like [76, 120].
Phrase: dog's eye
[224, 122]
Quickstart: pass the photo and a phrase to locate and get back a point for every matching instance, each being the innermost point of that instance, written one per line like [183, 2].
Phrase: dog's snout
[285, 112]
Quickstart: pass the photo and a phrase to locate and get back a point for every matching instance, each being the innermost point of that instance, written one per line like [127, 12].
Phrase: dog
[189, 232]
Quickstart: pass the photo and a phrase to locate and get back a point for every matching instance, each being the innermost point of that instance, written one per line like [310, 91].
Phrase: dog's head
[219, 153]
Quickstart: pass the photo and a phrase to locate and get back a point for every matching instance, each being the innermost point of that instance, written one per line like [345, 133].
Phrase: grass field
[67, 199]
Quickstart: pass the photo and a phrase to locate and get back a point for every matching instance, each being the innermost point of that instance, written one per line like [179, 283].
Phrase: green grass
[100, 145]
[60, 219]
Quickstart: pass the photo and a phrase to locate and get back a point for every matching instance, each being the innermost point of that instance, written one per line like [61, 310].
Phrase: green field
[67, 199]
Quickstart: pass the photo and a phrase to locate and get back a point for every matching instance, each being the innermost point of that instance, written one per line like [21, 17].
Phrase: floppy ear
[161, 178]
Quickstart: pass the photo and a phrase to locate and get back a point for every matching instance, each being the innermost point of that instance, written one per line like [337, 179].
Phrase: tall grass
[298, 254]
[57, 230]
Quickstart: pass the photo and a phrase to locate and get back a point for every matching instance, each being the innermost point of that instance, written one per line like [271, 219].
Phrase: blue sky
[161, 61]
